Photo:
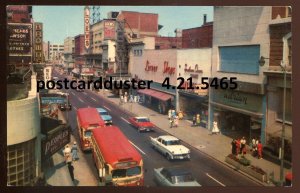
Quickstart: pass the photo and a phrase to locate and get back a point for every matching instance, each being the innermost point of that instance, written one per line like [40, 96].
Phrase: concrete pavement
[215, 146]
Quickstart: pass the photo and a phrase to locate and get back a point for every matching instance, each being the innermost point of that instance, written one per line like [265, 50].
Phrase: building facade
[23, 120]
[69, 51]
[56, 53]
[240, 37]
[280, 55]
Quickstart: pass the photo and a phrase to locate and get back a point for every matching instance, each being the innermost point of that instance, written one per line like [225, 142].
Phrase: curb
[211, 157]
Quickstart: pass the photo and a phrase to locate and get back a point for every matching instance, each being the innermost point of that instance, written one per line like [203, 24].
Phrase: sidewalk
[57, 173]
[215, 146]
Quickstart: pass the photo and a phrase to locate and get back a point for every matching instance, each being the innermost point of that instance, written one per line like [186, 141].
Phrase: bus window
[133, 171]
[87, 133]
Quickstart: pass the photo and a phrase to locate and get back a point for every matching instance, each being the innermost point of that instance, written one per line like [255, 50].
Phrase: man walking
[71, 170]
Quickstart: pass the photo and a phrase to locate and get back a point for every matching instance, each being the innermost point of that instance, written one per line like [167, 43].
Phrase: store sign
[87, 27]
[149, 67]
[167, 69]
[109, 30]
[247, 101]
[47, 74]
[19, 39]
[190, 69]
[54, 142]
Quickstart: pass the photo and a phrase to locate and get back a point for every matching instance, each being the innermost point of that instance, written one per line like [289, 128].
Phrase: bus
[87, 120]
[117, 161]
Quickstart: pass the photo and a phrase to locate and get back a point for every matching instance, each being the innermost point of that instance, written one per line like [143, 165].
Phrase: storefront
[238, 113]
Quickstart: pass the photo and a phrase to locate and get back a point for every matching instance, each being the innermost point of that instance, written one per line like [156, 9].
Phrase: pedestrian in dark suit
[233, 147]
[71, 170]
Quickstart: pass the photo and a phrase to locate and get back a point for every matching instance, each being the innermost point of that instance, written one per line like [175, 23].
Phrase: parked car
[105, 116]
[142, 123]
[174, 176]
[170, 147]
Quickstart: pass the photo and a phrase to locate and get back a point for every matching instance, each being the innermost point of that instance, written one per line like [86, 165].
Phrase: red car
[142, 123]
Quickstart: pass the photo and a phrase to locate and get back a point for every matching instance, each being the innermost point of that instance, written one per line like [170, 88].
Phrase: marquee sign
[87, 27]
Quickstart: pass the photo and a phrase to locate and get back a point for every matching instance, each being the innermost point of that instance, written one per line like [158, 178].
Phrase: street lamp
[281, 152]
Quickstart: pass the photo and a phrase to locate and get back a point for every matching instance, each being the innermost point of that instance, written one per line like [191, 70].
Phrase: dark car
[174, 176]
[65, 106]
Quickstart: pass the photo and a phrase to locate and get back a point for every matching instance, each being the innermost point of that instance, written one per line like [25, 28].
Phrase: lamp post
[281, 150]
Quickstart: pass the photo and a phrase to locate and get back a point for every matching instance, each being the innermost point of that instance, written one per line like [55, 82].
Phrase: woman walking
[74, 151]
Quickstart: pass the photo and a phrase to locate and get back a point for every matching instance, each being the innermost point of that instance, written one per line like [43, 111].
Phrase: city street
[207, 171]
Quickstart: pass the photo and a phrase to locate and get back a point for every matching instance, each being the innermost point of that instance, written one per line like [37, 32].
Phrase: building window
[21, 163]
[239, 59]
[287, 49]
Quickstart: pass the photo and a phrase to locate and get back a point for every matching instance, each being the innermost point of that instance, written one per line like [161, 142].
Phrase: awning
[156, 94]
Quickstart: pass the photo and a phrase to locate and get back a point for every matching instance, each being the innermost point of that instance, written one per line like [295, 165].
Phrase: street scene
[125, 96]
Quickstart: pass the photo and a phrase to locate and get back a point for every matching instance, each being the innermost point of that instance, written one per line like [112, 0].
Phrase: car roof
[141, 117]
[168, 137]
[177, 171]
[101, 110]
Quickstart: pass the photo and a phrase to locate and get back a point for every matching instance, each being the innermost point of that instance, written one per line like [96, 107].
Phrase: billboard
[19, 39]
[55, 141]
[109, 29]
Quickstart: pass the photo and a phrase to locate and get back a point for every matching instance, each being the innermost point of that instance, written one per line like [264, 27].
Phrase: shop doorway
[234, 125]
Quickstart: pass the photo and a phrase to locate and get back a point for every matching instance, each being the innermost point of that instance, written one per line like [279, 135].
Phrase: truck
[170, 147]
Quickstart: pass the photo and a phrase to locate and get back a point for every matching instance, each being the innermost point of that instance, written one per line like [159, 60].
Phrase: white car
[170, 147]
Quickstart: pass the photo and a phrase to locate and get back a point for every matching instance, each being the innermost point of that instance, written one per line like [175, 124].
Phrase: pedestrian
[173, 113]
[198, 120]
[215, 129]
[194, 120]
[253, 144]
[238, 145]
[259, 149]
[71, 170]
[243, 146]
[159, 108]
[176, 120]
[171, 122]
[75, 151]
[67, 154]
[170, 114]
[233, 147]
[180, 115]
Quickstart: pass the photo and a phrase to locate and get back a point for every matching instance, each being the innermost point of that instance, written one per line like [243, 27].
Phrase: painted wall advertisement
[109, 30]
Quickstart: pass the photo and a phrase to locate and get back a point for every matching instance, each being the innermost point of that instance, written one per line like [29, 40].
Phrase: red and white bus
[117, 161]
[87, 120]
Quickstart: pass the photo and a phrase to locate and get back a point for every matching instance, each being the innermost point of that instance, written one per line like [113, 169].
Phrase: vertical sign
[47, 74]
[38, 42]
[86, 27]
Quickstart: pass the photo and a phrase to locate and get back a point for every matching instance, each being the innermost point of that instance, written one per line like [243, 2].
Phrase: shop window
[240, 59]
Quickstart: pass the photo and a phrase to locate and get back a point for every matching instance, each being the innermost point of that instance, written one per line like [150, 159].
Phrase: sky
[60, 22]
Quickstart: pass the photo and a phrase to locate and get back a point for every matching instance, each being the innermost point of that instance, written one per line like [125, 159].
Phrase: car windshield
[104, 113]
[173, 142]
[122, 173]
[143, 120]
[87, 133]
[182, 178]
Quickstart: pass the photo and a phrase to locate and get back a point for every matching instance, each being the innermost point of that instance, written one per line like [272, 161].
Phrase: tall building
[23, 119]
[69, 51]
[56, 53]
[240, 37]
[46, 47]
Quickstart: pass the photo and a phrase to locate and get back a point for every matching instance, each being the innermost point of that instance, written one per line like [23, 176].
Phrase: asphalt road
[206, 170]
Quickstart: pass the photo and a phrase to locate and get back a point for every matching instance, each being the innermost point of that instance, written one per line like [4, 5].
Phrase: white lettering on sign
[87, 27]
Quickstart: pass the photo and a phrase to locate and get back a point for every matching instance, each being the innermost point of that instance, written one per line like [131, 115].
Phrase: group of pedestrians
[238, 147]
[70, 155]
[256, 148]
[174, 117]
[196, 120]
